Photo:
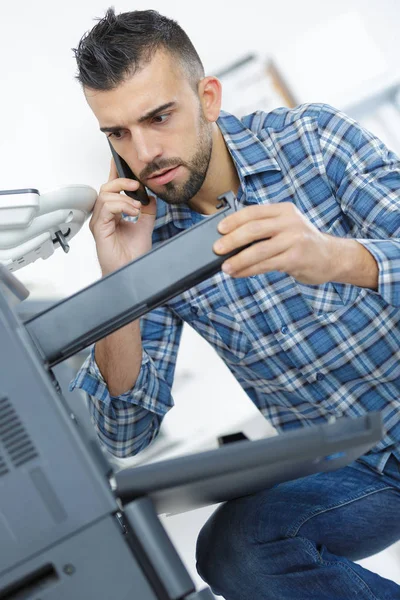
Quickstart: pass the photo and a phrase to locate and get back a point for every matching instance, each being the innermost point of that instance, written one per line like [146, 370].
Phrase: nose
[146, 146]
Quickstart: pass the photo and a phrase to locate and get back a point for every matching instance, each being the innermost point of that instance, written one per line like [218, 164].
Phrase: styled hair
[120, 45]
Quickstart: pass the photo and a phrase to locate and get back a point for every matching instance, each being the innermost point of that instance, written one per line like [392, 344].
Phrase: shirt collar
[249, 153]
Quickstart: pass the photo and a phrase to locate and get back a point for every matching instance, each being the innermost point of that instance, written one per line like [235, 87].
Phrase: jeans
[298, 540]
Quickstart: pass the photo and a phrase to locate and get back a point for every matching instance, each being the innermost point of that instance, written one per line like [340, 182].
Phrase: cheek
[183, 146]
[184, 139]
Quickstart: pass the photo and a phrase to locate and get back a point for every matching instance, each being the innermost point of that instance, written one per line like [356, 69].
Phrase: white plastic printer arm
[32, 225]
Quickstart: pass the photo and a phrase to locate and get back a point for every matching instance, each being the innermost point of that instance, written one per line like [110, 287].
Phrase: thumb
[151, 208]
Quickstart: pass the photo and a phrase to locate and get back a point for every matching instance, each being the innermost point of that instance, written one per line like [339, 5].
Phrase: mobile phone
[124, 170]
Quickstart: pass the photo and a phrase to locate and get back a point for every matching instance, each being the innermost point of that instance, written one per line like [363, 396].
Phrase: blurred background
[267, 54]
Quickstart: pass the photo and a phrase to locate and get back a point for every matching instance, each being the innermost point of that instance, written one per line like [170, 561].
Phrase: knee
[232, 537]
[224, 547]
[210, 548]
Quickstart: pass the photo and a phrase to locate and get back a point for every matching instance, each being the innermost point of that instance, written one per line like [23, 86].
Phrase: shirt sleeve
[128, 423]
[365, 178]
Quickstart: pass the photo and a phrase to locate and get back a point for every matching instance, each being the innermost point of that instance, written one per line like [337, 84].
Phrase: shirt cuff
[146, 392]
[387, 256]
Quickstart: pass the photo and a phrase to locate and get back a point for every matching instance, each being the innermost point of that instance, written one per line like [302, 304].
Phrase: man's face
[155, 122]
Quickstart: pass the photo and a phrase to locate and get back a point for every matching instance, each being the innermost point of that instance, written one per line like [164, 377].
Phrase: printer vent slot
[14, 437]
[3, 467]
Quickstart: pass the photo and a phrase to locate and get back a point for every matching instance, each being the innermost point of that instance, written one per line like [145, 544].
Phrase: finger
[277, 263]
[110, 209]
[255, 254]
[119, 185]
[247, 233]
[253, 213]
[113, 211]
[151, 207]
[114, 197]
[110, 197]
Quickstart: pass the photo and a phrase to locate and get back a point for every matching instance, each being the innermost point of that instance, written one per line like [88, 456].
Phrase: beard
[182, 193]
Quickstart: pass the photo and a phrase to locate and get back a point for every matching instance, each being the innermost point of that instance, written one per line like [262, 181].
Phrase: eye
[117, 135]
[159, 119]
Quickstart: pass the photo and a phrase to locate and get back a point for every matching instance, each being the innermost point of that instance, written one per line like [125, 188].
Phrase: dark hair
[120, 45]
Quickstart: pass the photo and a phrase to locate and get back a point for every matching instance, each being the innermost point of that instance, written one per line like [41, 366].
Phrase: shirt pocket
[209, 314]
[331, 296]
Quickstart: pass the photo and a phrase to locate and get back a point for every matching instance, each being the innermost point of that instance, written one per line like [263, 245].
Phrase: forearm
[352, 263]
[119, 358]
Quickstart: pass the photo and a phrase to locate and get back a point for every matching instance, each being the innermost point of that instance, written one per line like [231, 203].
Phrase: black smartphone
[124, 170]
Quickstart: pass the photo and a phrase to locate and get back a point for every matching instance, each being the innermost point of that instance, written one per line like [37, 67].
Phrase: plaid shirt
[303, 353]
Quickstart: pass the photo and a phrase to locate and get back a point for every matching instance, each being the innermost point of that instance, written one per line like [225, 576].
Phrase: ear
[210, 95]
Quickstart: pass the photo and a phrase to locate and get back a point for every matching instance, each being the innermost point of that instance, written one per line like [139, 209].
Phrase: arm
[119, 358]
[358, 167]
[352, 262]
[129, 383]
[365, 177]
[127, 423]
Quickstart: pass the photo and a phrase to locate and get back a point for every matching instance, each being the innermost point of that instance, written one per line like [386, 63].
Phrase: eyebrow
[149, 115]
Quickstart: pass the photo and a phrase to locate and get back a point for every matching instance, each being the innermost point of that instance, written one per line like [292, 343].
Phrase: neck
[221, 177]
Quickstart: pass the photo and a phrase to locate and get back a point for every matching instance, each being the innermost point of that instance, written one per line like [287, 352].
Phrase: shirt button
[320, 376]
[194, 310]
[284, 329]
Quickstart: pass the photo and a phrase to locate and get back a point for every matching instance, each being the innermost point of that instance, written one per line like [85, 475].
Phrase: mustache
[167, 163]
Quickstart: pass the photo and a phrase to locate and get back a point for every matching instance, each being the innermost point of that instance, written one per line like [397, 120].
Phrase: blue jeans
[298, 540]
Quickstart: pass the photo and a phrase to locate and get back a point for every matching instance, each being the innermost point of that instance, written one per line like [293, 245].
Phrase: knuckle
[294, 258]
[101, 198]
[304, 239]
[291, 208]
[108, 206]
[264, 248]
[255, 227]
[92, 225]
[298, 238]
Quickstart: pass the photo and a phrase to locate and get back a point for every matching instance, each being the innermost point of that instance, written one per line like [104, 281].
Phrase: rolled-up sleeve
[128, 423]
[365, 177]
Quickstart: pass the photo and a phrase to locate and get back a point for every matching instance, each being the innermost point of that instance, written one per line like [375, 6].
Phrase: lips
[164, 177]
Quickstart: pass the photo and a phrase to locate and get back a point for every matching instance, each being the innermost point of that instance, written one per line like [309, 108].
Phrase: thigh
[352, 512]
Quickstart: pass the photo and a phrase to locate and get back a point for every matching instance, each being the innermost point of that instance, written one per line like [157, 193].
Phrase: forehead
[158, 82]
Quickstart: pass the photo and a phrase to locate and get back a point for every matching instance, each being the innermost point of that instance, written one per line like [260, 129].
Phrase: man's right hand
[118, 242]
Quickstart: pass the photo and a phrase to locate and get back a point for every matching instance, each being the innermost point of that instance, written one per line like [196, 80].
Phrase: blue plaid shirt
[303, 353]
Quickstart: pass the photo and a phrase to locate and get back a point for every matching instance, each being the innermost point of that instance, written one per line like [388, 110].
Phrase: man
[306, 318]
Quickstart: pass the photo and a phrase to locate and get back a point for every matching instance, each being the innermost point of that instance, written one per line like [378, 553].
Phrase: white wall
[49, 136]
